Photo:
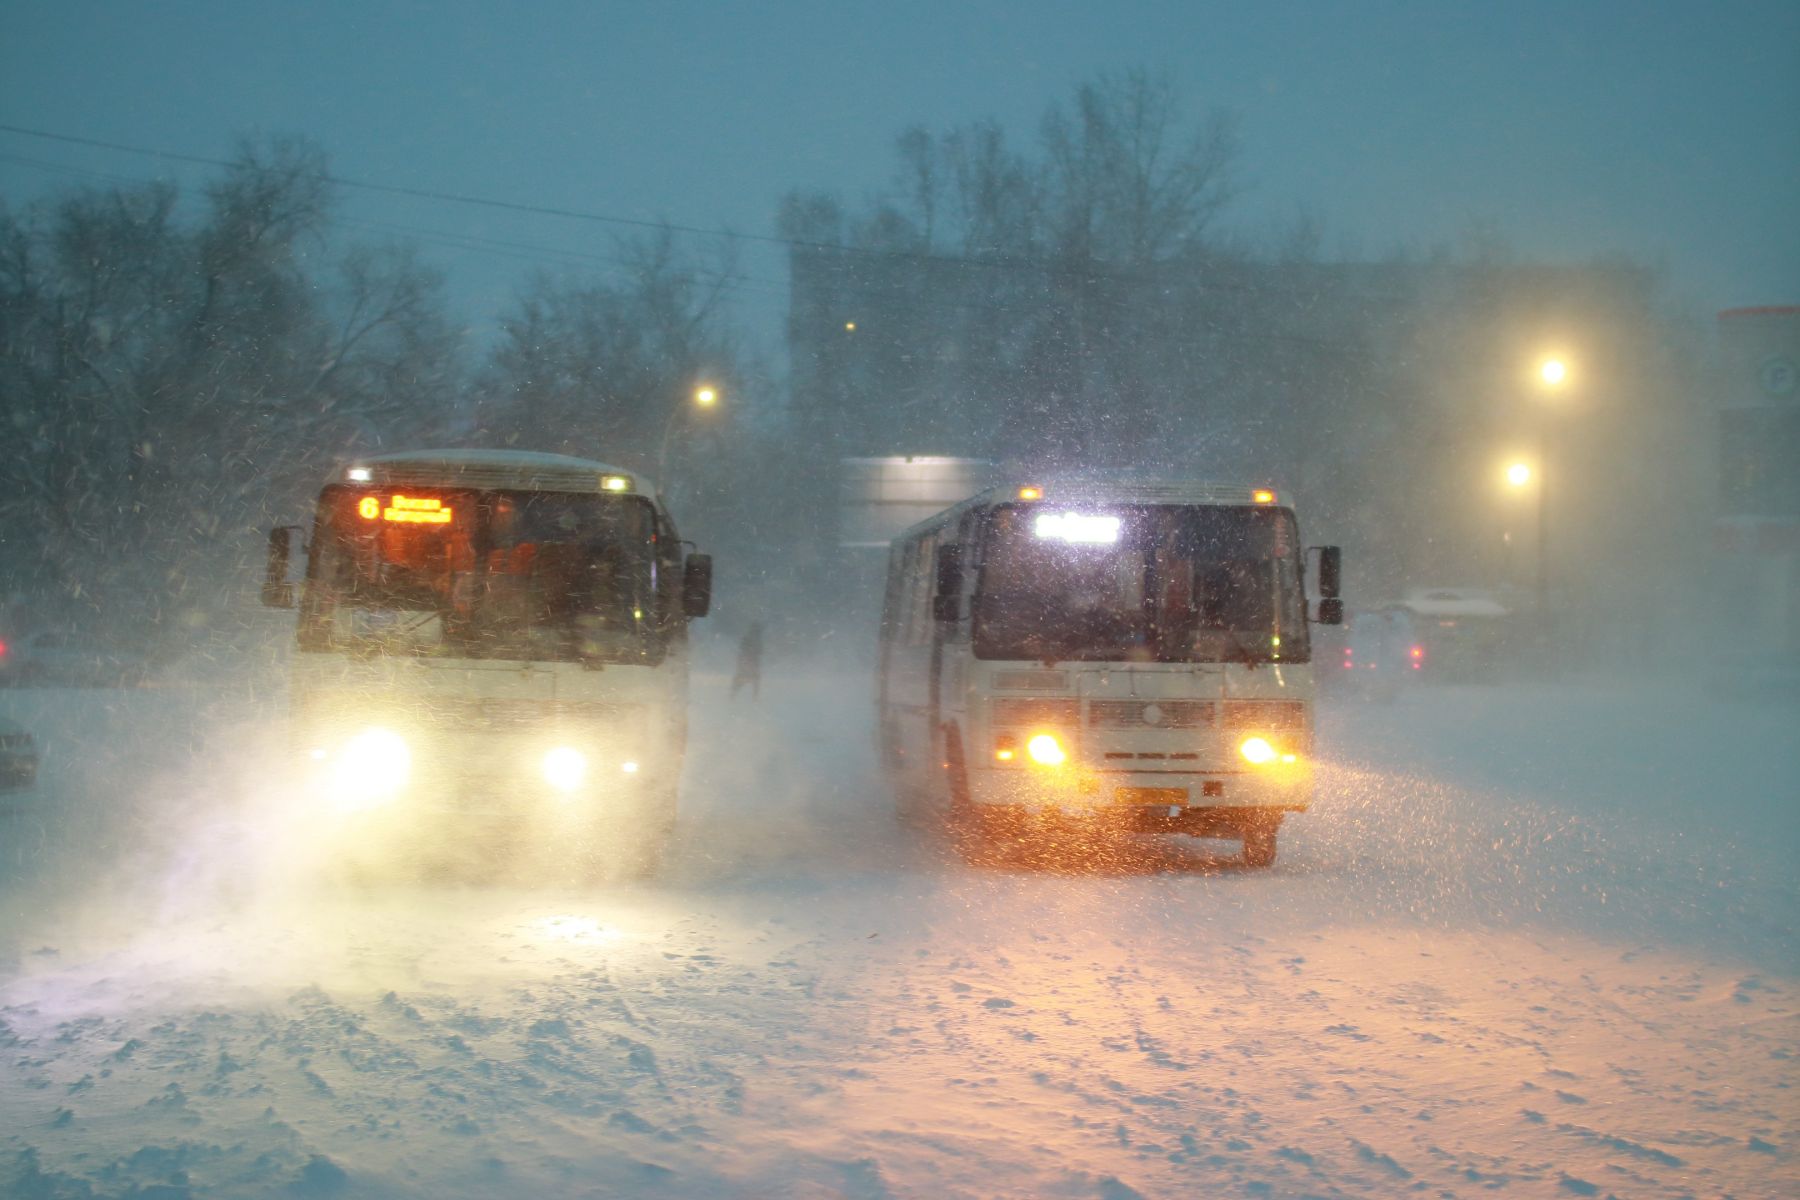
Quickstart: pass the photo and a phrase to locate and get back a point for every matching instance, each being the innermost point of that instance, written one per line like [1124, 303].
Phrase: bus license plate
[1150, 797]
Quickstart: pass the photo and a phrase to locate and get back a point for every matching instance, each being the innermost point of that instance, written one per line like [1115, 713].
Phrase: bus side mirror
[946, 602]
[1331, 581]
[277, 592]
[1331, 572]
[696, 585]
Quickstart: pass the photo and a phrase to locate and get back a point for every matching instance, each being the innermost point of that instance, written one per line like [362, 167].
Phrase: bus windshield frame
[512, 574]
[1165, 582]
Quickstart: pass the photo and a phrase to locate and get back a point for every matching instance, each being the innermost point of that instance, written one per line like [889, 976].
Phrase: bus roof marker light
[1263, 495]
[358, 474]
[1078, 528]
[1031, 493]
[615, 483]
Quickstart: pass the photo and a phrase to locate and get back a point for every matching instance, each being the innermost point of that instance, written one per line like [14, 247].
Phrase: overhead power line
[397, 190]
[1044, 267]
[1040, 267]
[524, 251]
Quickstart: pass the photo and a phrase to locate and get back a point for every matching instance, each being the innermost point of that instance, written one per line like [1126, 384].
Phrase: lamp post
[704, 396]
[1552, 374]
[1519, 476]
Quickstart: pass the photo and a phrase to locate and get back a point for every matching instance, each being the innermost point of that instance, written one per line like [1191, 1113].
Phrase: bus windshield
[483, 574]
[1141, 583]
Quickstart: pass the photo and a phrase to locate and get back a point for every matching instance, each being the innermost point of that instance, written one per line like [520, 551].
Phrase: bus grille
[1265, 714]
[1010, 711]
[1150, 714]
[1032, 681]
[519, 714]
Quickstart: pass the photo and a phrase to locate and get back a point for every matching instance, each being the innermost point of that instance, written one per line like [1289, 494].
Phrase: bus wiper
[1246, 655]
[379, 642]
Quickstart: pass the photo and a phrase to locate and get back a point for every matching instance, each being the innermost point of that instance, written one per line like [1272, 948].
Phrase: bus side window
[905, 602]
[918, 606]
[890, 600]
[966, 539]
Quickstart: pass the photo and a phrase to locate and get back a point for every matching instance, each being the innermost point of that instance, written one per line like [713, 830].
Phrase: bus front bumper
[1133, 796]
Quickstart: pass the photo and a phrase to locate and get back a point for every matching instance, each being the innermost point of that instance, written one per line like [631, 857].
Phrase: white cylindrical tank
[879, 497]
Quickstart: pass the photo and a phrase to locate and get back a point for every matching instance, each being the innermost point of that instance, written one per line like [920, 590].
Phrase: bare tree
[997, 195]
[586, 367]
[162, 376]
[1126, 182]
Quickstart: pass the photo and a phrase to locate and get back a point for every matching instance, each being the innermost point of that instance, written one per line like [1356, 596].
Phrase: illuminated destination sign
[1079, 528]
[405, 510]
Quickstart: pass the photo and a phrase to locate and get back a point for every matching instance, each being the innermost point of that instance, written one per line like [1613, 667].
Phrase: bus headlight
[565, 767]
[1257, 750]
[375, 762]
[1046, 750]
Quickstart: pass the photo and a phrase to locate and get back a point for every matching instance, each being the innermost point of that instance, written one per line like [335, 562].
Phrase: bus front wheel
[972, 828]
[1259, 839]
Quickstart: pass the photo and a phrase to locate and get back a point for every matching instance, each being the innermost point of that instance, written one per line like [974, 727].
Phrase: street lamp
[1520, 475]
[704, 396]
[1552, 374]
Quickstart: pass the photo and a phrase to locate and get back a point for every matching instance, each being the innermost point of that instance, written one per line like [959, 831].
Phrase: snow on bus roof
[495, 468]
[1097, 487]
[1105, 488]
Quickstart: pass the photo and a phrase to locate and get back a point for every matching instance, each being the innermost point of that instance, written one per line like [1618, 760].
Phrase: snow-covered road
[1531, 942]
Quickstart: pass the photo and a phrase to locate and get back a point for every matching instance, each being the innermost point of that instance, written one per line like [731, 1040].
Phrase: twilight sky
[1667, 132]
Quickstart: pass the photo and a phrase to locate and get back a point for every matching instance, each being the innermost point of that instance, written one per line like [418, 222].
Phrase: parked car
[18, 758]
[59, 658]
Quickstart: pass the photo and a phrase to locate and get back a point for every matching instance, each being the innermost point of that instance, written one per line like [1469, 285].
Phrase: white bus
[1118, 656]
[492, 660]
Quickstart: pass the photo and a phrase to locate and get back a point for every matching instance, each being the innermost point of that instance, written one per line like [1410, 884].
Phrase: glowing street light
[705, 396]
[1552, 375]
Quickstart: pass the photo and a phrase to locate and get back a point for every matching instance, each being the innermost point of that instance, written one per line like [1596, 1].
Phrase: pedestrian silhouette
[749, 661]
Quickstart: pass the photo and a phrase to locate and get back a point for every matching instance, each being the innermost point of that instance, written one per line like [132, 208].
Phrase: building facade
[1759, 476]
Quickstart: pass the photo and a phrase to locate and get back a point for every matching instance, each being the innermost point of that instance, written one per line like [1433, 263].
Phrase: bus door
[910, 740]
[952, 578]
